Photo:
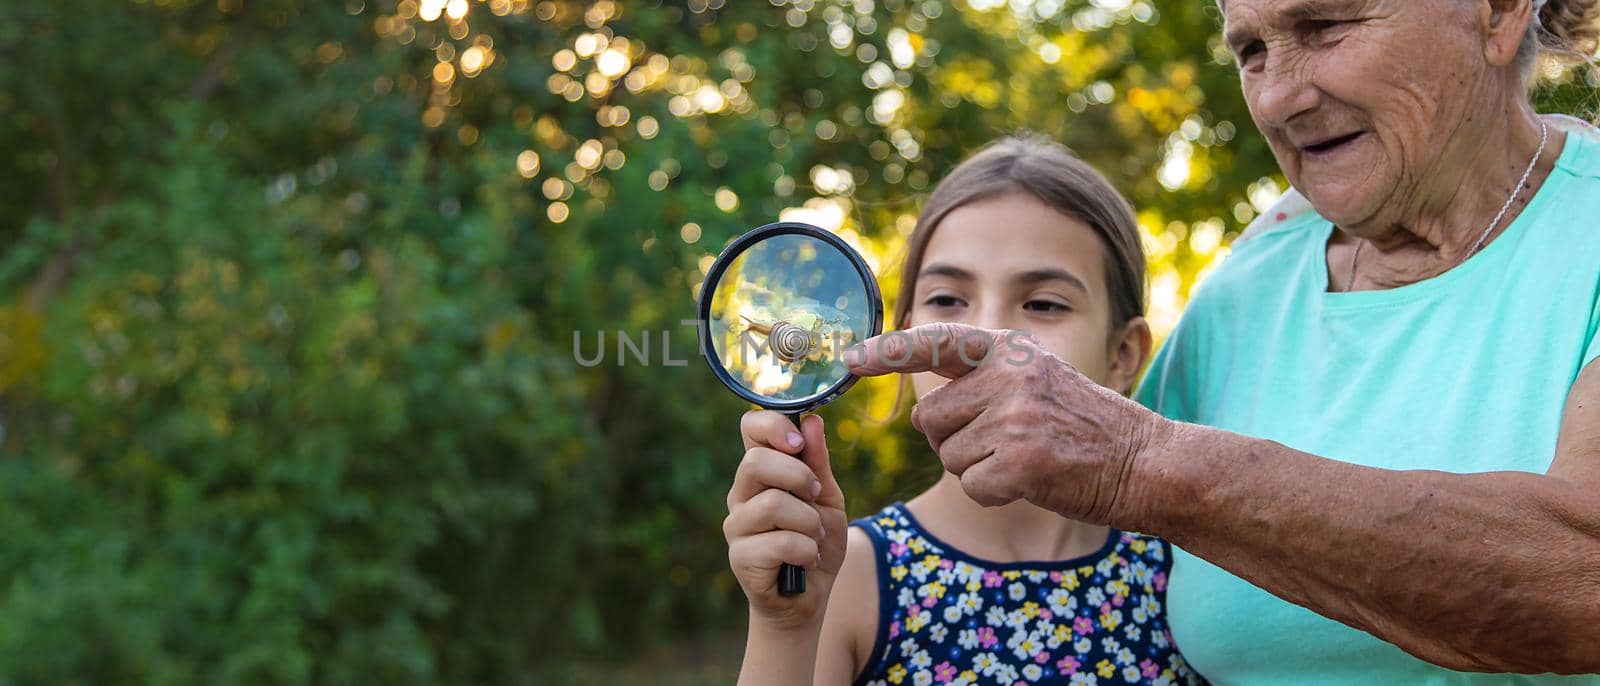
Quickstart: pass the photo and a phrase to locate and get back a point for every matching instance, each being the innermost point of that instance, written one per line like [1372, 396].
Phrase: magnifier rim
[714, 277]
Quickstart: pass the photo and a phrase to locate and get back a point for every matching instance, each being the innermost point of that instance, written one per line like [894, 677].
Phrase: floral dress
[949, 618]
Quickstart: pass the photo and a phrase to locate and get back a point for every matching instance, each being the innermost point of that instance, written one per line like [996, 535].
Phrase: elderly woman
[1378, 439]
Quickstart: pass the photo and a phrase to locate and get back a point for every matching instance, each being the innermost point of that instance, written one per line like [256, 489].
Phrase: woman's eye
[1327, 29]
[1045, 306]
[1252, 54]
[944, 301]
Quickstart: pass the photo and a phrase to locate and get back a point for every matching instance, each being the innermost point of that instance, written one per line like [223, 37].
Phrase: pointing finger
[947, 349]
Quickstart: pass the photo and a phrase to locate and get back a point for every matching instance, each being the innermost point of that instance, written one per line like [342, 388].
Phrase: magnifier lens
[783, 313]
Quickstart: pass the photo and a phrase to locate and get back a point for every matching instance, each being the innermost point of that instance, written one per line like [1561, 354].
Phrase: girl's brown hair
[1038, 166]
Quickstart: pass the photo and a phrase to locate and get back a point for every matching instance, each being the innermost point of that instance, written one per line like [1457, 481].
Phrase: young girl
[941, 590]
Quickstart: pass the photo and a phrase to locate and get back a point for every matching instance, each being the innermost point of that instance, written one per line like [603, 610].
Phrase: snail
[790, 342]
[802, 336]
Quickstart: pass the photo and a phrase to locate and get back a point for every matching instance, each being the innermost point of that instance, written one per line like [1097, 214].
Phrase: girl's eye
[944, 301]
[1045, 306]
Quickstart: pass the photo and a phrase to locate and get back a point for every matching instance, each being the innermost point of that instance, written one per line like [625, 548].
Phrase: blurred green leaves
[288, 294]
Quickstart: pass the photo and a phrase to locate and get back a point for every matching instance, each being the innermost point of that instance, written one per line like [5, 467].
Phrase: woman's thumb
[815, 455]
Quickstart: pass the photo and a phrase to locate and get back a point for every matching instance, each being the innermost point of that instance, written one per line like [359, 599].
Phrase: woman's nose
[1282, 91]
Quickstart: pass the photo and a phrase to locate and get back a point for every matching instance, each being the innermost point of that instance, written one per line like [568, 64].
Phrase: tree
[292, 297]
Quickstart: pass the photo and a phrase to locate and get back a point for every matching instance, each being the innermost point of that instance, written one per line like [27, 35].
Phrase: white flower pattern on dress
[955, 619]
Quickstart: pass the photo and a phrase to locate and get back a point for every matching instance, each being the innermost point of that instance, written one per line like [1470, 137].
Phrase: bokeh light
[428, 198]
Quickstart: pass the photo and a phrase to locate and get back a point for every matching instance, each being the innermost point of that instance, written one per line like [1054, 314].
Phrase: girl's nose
[994, 316]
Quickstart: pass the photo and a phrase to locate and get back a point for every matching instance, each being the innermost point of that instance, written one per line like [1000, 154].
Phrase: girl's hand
[781, 509]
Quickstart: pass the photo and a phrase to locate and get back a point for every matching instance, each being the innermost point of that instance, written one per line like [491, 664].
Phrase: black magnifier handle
[791, 578]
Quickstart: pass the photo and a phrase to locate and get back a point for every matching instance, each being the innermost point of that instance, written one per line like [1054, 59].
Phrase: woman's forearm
[779, 656]
[1478, 572]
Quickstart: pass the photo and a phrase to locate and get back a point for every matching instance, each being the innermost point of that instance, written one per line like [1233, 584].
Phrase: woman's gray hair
[1563, 32]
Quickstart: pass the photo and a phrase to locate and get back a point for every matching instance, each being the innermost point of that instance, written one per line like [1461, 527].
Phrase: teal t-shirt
[1464, 372]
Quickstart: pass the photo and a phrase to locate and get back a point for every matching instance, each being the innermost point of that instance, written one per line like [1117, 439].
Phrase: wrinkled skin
[1405, 123]
[1402, 121]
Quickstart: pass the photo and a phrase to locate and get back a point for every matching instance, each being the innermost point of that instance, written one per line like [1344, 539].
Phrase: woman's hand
[1018, 423]
[785, 510]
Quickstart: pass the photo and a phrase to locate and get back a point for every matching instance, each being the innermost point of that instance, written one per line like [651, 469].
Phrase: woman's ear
[1130, 348]
[1504, 23]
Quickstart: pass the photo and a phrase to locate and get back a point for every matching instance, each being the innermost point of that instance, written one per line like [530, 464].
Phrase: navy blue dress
[946, 617]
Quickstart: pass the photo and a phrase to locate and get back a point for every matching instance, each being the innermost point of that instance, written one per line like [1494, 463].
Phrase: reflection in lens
[769, 325]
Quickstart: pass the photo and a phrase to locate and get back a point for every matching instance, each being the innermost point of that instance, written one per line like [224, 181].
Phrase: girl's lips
[1332, 145]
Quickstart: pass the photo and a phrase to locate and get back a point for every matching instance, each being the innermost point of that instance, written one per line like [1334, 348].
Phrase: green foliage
[289, 308]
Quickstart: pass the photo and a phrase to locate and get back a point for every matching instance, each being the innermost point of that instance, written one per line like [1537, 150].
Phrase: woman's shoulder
[1283, 214]
[1269, 253]
[1563, 232]
[1582, 159]
[1284, 228]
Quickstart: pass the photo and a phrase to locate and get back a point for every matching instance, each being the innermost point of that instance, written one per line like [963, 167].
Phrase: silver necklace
[1544, 137]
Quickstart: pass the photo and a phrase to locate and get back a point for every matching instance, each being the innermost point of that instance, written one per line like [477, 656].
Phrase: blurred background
[341, 341]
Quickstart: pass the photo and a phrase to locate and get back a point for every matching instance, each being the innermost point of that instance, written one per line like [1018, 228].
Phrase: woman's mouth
[1332, 145]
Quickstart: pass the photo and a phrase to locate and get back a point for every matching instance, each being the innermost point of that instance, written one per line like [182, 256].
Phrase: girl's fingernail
[824, 532]
[816, 488]
[795, 439]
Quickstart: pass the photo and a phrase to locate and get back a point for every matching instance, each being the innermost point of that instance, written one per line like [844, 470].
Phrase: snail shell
[790, 342]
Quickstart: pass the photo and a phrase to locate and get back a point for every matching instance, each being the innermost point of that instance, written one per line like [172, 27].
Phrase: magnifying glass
[778, 310]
